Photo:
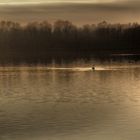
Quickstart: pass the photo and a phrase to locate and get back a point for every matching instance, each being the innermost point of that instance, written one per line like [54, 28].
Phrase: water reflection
[42, 104]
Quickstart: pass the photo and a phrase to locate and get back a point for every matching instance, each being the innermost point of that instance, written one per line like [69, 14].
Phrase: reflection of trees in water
[42, 41]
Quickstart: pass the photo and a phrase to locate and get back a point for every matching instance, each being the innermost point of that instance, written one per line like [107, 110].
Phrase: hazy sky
[32, 1]
[77, 11]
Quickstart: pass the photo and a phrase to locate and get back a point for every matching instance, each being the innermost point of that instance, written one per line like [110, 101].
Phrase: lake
[70, 103]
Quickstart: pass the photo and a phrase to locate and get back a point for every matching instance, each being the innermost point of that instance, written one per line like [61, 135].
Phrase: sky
[78, 11]
[53, 1]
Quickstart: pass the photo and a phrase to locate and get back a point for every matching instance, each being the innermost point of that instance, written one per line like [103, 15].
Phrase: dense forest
[42, 41]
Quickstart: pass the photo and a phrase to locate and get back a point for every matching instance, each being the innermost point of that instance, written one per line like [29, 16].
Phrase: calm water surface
[70, 104]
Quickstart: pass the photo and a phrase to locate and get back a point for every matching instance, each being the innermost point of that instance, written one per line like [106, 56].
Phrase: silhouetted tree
[42, 41]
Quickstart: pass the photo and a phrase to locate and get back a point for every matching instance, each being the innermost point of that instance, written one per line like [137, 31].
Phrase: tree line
[42, 41]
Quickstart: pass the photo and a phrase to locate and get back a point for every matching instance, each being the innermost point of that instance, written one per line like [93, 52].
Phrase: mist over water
[71, 102]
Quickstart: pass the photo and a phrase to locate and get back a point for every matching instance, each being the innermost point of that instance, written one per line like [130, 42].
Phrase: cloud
[77, 13]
